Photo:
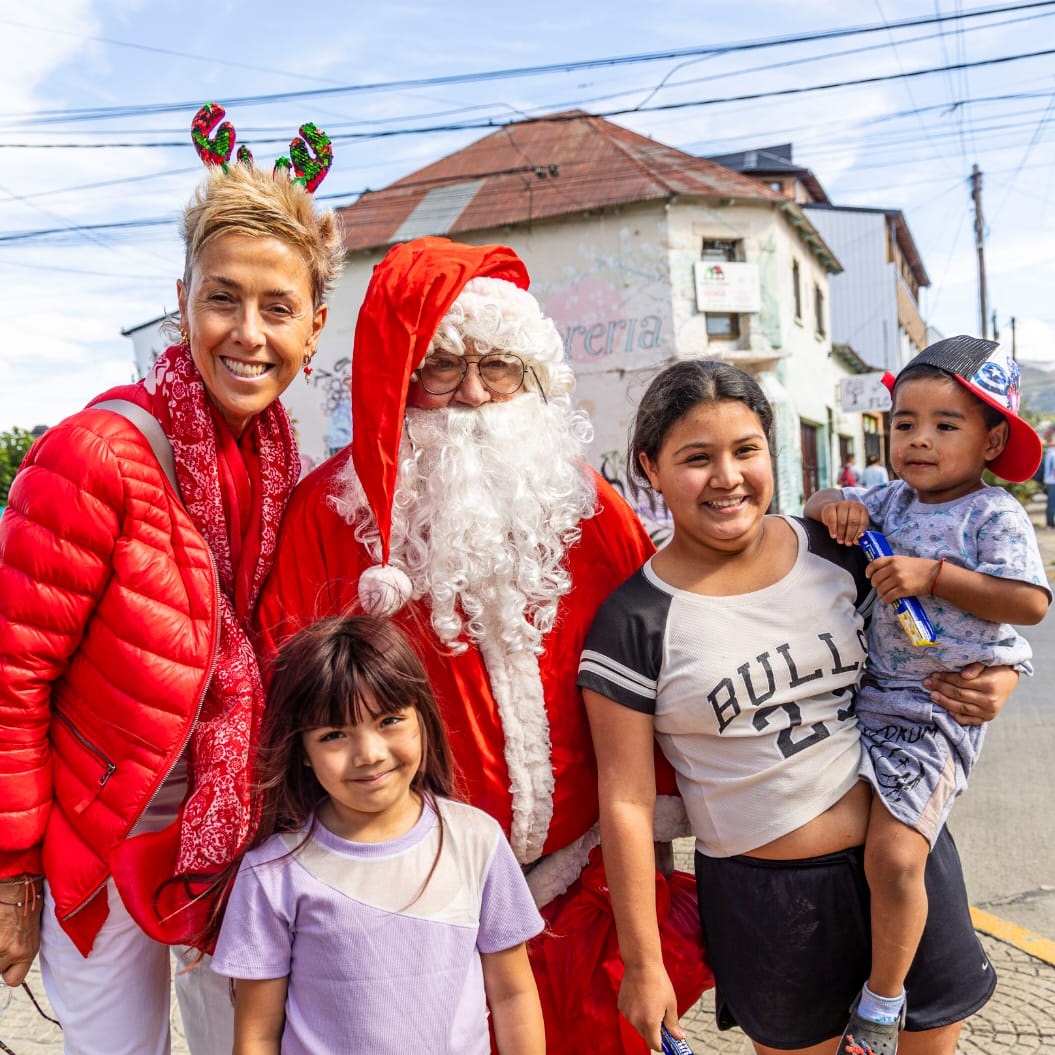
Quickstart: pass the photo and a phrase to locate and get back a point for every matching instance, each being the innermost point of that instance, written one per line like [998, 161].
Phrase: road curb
[1013, 934]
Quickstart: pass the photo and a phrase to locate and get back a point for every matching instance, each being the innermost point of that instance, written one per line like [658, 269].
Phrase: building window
[796, 289]
[715, 249]
[818, 310]
[722, 326]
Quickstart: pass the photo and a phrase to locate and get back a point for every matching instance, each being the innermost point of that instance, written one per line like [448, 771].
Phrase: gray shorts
[790, 945]
[915, 755]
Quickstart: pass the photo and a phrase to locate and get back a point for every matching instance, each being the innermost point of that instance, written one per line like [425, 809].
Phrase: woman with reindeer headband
[137, 537]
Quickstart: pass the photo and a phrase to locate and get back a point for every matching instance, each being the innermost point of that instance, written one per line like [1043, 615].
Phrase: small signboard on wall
[727, 286]
[863, 392]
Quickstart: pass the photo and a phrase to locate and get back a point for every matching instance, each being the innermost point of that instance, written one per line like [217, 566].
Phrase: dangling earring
[184, 337]
[307, 364]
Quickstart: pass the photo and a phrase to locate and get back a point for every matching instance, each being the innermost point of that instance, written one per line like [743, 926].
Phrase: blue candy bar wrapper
[672, 1046]
[910, 613]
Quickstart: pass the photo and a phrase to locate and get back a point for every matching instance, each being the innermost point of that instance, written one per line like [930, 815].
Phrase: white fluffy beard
[487, 502]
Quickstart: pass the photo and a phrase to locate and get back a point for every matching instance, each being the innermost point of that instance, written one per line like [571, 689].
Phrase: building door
[873, 430]
[809, 435]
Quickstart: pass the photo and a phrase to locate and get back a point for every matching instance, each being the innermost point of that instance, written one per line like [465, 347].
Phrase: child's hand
[845, 520]
[897, 577]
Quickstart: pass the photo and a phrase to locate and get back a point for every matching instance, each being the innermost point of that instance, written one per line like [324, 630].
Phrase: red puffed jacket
[108, 626]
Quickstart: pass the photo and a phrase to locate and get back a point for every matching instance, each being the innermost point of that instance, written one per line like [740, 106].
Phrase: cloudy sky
[99, 95]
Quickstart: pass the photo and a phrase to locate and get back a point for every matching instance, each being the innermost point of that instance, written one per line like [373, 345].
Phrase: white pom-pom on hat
[384, 589]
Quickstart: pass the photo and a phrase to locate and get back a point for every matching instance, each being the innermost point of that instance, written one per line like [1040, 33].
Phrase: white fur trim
[384, 589]
[516, 684]
[670, 821]
[553, 874]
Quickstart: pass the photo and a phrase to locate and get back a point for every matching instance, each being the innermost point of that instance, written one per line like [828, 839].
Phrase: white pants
[116, 1002]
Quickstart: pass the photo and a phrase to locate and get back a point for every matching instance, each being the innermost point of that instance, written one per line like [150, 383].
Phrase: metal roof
[534, 170]
[772, 161]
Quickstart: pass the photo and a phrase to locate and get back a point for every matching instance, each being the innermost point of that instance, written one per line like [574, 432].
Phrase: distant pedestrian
[1048, 477]
[848, 473]
[874, 473]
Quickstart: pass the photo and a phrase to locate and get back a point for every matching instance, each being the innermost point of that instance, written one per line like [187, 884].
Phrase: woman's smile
[245, 370]
[726, 503]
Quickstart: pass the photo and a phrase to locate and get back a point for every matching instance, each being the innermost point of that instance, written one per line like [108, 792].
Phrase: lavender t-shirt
[375, 963]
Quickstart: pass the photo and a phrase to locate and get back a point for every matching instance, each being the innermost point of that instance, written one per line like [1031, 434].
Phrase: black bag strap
[152, 432]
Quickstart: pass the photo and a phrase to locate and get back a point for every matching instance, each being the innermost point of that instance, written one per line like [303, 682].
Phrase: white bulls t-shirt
[752, 695]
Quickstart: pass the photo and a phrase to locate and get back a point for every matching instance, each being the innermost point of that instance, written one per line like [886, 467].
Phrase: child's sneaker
[863, 1037]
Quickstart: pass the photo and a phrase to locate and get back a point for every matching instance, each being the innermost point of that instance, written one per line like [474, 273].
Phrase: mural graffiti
[657, 521]
[615, 336]
[336, 402]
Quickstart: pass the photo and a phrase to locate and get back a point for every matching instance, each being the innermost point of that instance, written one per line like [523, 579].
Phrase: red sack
[578, 969]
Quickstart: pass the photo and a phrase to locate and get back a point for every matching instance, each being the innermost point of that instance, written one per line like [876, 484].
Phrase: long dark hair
[672, 394]
[322, 676]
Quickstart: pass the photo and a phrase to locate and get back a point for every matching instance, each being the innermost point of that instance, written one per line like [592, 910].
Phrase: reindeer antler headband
[309, 171]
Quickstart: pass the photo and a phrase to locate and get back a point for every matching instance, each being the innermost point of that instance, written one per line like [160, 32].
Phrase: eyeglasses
[501, 373]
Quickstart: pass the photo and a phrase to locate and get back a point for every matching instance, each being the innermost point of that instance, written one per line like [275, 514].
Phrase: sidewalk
[1020, 1017]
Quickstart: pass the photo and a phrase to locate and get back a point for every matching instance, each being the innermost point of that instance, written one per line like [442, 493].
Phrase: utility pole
[979, 241]
[1014, 349]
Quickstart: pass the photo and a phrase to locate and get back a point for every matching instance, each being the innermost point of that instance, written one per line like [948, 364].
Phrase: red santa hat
[410, 291]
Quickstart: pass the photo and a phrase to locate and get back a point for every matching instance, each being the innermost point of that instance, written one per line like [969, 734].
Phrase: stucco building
[641, 253]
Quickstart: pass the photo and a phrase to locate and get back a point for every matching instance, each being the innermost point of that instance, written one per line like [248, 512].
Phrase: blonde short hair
[250, 201]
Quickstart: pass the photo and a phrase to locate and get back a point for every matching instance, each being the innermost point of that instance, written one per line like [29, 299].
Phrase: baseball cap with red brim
[990, 374]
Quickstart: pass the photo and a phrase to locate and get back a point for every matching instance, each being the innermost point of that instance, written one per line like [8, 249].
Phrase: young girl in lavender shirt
[381, 915]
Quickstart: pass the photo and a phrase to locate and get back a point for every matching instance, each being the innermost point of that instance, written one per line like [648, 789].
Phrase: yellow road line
[1013, 934]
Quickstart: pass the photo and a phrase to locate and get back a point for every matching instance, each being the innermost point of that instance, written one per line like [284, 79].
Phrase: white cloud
[1035, 341]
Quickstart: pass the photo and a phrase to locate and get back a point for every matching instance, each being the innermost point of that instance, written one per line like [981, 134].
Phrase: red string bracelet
[937, 576]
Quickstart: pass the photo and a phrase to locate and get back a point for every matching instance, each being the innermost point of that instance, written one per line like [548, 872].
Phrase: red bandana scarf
[235, 491]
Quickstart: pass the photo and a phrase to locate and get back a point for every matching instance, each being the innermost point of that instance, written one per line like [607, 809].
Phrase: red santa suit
[516, 720]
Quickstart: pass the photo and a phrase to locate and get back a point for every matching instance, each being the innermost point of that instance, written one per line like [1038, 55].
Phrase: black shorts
[789, 944]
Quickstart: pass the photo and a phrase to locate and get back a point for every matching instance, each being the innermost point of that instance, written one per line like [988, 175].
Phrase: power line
[108, 113]
[558, 118]
[397, 204]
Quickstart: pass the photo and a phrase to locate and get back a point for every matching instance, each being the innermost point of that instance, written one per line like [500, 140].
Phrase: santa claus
[465, 509]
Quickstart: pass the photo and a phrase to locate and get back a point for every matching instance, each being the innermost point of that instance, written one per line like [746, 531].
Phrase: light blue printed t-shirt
[986, 531]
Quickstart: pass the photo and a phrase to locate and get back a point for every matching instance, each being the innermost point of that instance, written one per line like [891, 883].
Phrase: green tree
[13, 447]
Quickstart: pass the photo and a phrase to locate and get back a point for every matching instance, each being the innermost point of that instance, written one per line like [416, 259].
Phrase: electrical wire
[107, 113]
